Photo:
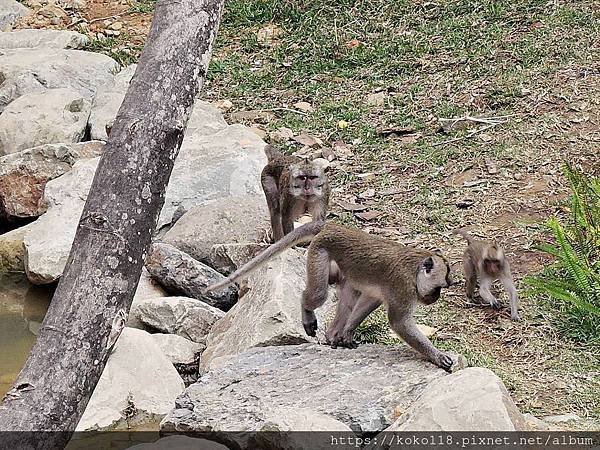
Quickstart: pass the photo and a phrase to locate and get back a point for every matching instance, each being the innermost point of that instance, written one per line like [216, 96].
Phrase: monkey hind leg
[470, 276]
[364, 306]
[317, 283]
[346, 304]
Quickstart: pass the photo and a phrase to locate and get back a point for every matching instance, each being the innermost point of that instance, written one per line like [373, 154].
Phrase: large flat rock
[27, 70]
[359, 387]
[147, 288]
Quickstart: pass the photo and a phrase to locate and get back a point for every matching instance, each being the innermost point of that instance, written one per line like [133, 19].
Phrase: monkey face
[307, 181]
[492, 266]
[433, 275]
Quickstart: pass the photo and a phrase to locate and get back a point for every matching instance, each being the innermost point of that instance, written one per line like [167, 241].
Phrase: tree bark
[93, 297]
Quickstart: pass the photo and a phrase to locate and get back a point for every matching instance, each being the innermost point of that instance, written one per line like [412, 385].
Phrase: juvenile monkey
[486, 262]
[292, 187]
[369, 271]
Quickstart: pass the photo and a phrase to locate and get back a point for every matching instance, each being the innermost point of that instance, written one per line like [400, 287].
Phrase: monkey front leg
[484, 291]
[287, 216]
[511, 290]
[407, 330]
[348, 298]
[271, 191]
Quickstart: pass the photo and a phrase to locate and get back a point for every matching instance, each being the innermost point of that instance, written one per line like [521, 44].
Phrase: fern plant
[573, 281]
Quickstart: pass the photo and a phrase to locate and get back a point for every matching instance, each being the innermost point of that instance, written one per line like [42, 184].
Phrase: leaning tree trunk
[90, 305]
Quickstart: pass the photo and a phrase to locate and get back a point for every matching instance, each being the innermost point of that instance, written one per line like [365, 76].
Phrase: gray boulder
[52, 116]
[180, 274]
[359, 387]
[27, 70]
[147, 288]
[133, 390]
[107, 102]
[12, 252]
[269, 312]
[473, 399]
[186, 317]
[226, 258]
[230, 162]
[10, 11]
[228, 220]
[179, 350]
[35, 38]
[49, 240]
[205, 119]
[23, 175]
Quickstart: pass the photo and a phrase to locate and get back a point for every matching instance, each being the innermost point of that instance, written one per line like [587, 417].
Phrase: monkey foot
[444, 361]
[343, 341]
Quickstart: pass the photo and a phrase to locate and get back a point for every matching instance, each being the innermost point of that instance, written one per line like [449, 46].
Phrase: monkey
[485, 262]
[369, 271]
[292, 187]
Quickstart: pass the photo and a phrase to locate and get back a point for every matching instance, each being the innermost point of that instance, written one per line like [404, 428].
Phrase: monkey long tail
[301, 234]
[463, 233]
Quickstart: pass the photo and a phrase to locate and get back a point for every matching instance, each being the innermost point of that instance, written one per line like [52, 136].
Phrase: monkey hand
[444, 361]
[515, 316]
[309, 320]
[495, 304]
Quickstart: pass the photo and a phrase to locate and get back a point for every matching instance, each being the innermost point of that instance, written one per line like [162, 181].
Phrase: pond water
[22, 309]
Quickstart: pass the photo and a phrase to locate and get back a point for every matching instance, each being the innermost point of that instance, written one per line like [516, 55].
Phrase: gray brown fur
[485, 262]
[369, 271]
[292, 187]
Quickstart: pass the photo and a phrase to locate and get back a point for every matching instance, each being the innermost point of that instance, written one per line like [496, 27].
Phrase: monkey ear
[428, 264]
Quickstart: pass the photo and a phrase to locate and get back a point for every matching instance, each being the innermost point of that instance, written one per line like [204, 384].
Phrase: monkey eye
[302, 177]
[312, 177]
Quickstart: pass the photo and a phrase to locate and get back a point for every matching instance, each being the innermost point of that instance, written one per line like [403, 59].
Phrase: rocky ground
[246, 348]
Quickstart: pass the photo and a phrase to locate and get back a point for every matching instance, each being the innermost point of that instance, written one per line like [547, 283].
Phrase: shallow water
[22, 309]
